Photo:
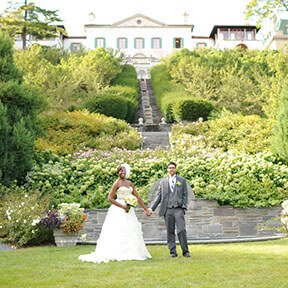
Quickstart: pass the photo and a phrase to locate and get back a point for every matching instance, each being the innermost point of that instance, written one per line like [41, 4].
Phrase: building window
[139, 43]
[122, 43]
[249, 35]
[75, 47]
[223, 35]
[156, 43]
[139, 21]
[178, 43]
[236, 34]
[18, 37]
[100, 42]
[201, 45]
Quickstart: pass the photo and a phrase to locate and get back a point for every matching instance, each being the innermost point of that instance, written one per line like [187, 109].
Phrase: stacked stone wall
[205, 220]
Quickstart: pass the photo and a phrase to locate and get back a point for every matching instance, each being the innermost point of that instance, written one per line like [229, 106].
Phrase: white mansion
[144, 41]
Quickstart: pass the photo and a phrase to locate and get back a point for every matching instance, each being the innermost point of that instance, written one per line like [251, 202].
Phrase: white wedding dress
[121, 237]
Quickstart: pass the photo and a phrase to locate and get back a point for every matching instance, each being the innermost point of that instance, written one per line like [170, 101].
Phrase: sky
[203, 14]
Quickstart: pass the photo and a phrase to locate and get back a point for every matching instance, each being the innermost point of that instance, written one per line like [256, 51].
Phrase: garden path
[149, 120]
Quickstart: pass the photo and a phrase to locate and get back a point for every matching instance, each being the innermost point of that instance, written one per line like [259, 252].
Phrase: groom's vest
[172, 198]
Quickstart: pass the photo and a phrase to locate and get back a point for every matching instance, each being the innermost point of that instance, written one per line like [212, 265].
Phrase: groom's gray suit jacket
[179, 197]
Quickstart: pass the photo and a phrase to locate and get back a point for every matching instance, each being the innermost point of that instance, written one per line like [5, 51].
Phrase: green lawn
[254, 264]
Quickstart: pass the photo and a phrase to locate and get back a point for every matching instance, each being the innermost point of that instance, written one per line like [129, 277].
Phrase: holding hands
[148, 211]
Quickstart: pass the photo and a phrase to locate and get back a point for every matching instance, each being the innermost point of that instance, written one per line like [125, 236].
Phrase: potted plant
[66, 221]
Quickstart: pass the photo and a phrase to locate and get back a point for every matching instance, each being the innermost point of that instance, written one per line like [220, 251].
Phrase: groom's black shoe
[174, 255]
[187, 254]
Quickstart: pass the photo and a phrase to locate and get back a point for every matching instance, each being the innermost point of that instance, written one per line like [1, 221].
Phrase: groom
[172, 195]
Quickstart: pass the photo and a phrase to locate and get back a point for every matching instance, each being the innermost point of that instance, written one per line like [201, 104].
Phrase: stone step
[155, 131]
[152, 140]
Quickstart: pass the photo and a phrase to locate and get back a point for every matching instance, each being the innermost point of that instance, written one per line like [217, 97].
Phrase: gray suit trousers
[175, 217]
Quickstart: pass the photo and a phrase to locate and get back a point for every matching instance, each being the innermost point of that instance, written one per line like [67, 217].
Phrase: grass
[254, 264]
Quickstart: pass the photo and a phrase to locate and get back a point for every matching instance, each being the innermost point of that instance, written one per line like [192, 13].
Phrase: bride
[121, 237]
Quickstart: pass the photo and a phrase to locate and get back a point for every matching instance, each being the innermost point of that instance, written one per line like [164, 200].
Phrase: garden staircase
[155, 132]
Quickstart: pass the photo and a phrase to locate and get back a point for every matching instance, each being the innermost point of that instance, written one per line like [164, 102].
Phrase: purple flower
[52, 220]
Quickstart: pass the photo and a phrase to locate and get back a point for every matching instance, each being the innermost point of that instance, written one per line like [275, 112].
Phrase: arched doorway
[242, 46]
[142, 74]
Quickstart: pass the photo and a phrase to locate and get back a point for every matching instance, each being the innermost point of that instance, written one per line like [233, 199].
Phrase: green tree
[97, 69]
[8, 69]
[29, 19]
[19, 106]
[261, 9]
[246, 81]
[4, 136]
[279, 143]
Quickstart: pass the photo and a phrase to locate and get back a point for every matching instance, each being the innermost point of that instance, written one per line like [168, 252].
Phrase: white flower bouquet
[131, 201]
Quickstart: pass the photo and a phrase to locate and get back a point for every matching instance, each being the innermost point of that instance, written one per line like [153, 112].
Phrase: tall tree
[29, 19]
[261, 9]
[279, 143]
[19, 108]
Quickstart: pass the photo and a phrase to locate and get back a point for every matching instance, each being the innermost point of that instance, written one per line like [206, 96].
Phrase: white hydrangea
[35, 221]
[285, 207]
[284, 218]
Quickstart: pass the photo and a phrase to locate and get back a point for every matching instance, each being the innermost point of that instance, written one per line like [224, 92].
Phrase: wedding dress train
[121, 237]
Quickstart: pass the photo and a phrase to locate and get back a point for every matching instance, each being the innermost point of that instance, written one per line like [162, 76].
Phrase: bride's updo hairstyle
[126, 167]
[118, 169]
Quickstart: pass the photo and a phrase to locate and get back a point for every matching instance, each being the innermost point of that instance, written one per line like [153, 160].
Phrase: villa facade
[144, 41]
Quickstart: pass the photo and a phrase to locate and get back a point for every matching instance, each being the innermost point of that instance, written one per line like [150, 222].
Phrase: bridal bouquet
[130, 201]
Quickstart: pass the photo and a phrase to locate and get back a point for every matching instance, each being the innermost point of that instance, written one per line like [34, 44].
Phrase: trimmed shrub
[115, 106]
[125, 91]
[69, 132]
[112, 105]
[232, 132]
[192, 109]
[127, 77]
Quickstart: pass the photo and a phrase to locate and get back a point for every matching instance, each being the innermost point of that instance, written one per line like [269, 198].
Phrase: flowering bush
[237, 179]
[20, 220]
[284, 216]
[69, 217]
[52, 220]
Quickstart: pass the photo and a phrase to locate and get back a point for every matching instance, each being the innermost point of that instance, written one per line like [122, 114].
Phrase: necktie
[172, 184]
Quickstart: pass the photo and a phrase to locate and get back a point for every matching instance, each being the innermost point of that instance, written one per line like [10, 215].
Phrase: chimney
[186, 16]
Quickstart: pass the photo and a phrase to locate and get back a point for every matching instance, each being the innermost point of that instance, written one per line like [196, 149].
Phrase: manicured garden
[65, 121]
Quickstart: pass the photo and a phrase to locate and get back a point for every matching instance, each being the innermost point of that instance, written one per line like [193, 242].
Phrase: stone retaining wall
[205, 220]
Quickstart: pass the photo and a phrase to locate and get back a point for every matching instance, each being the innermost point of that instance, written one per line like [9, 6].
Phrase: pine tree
[19, 106]
[4, 137]
[8, 69]
[28, 19]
